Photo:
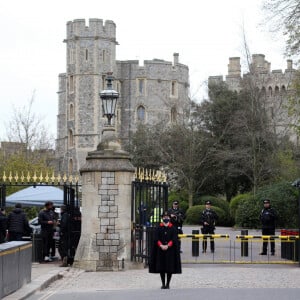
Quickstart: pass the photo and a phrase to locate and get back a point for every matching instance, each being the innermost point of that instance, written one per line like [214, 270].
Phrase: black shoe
[167, 287]
[163, 287]
[273, 253]
[203, 251]
[212, 251]
[263, 253]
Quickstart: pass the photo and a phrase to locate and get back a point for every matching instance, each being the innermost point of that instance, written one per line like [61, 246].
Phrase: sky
[204, 33]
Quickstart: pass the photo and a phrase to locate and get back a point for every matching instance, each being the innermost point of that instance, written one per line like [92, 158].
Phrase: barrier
[221, 252]
[239, 249]
[15, 266]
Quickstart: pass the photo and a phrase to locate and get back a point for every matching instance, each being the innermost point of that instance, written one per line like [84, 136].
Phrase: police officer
[177, 218]
[208, 219]
[268, 218]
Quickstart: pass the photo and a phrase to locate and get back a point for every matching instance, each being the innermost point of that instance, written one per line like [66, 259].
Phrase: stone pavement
[46, 275]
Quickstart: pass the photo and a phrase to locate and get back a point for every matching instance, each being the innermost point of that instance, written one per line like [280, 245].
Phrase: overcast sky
[205, 34]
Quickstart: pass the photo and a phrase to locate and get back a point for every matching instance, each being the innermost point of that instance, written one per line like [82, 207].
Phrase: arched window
[141, 113]
[70, 166]
[173, 114]
[270, 91]
[71, 138]
[276, 90]
[71, 112]
[283, 89]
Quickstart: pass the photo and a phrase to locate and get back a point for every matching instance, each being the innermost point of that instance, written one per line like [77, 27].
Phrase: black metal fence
[149, 200]
[71, 199]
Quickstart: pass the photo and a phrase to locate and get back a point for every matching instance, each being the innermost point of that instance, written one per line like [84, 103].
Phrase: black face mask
[166, 220]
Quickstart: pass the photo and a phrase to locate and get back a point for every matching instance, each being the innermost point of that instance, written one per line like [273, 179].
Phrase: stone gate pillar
[105, 243]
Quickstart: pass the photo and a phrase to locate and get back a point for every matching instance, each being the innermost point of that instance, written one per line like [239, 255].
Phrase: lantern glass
[109, 99]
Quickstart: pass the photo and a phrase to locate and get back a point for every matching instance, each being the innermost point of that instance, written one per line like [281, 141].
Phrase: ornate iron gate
[149, 200]
[71, 200]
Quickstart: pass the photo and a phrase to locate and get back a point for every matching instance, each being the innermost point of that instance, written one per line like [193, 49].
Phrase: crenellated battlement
[260, 66]
[96, 28]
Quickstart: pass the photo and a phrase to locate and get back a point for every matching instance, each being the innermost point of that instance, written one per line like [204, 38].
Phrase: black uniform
[268, 218]
[210, 217]
[64, 233]
[3, 227]
[165, 261]
[178, 218]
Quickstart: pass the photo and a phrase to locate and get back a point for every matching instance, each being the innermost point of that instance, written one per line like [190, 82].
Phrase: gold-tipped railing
[38, 178]
[142, 174]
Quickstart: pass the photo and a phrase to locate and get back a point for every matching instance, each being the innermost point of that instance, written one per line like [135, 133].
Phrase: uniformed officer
[268, 218]
[177, 218]
[208, 219]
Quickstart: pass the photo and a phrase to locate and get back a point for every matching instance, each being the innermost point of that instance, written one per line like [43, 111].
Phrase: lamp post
[109, 98]
[106, 198]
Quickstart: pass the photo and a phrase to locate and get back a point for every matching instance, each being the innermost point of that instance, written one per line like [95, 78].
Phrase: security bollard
[244, 243]
[195, 244]
[283, 232]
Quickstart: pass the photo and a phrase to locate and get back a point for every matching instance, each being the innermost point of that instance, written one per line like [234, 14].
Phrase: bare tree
[284, 16]
[27, 127]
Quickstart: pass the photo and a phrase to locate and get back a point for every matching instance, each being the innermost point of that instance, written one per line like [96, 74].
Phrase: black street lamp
[109, 98]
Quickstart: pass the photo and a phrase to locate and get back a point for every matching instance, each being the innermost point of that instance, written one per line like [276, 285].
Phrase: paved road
[197, 281]
[178, 294]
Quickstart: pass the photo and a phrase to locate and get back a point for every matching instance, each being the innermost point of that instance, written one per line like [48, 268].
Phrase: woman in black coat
[165, 256]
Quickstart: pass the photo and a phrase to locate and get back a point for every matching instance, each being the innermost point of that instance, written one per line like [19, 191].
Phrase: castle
[274, 87]
[156, 91]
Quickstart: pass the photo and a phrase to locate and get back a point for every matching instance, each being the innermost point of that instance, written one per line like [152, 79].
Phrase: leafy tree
[18, 164]
[244, 141]
[187, 152]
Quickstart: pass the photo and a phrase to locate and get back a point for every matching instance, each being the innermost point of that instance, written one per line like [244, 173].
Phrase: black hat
[165, 213]
[207, 202]
[175, 202]
[266, 201]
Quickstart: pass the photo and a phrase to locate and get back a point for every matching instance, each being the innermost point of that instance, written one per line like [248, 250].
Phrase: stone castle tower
[275, 86]
[158, 90]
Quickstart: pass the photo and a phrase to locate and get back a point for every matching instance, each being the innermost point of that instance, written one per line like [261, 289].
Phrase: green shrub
[234, 203]
[247, 213]
[283, 198]
[193, 215]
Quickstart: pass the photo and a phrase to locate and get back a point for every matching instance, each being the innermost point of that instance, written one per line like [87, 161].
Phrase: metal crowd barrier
[238, 249]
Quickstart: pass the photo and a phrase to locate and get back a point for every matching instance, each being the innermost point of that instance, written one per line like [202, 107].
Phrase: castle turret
[156, 91]
[90, 55]
[234, 66]
[176, 58]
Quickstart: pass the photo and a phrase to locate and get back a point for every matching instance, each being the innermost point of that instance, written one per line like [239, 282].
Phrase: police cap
[208, 202]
